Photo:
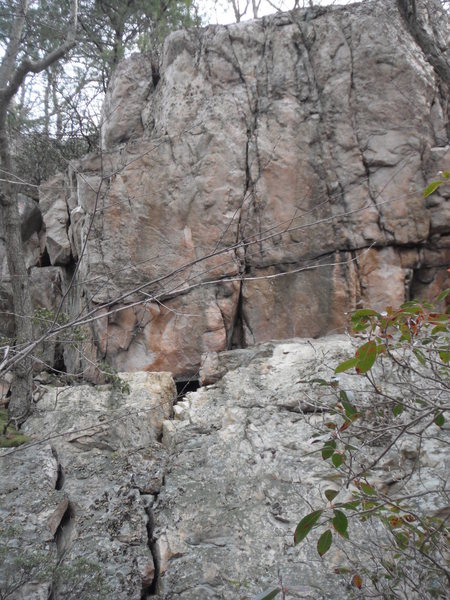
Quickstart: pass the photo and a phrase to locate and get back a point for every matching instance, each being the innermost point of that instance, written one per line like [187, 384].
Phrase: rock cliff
[114, 499]
[266, 181]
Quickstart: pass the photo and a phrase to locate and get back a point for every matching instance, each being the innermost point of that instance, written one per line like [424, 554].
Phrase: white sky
[221, 11]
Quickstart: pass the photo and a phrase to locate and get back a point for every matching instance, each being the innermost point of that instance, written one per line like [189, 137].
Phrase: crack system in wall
[151, 589]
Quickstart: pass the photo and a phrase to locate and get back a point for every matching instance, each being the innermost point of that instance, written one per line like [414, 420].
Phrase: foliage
[434, 185]
[110, 30]
[9, 436]
[21, 565]
[55, 116]
[45, 318]
[268, 594]
[111, 376]
[405, 361]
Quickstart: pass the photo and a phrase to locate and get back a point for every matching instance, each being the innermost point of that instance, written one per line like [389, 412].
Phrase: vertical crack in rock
[59, 484]
[63, 534]
[151, 588]
[347, 33]
[359, 288]
[62, 539]
[156, 74]
[236, 339]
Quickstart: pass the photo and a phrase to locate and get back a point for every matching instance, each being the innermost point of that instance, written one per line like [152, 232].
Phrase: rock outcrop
[266, 181]
[208, 510]
[244, 453]
[76, 504]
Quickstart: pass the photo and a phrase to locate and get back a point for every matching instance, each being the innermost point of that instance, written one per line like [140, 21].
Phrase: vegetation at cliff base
[9, 436]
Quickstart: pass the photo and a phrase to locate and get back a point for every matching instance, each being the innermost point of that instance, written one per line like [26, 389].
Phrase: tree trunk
[12, 76]
[21, 390]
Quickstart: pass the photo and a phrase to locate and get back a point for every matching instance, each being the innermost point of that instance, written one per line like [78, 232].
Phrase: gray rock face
[54, 209]
[30, 216]
[245, 469]
[77, 502]
[210, 510]
[121, 116]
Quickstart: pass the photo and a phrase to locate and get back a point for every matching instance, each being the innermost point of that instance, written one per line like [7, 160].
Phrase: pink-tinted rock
[270, 181]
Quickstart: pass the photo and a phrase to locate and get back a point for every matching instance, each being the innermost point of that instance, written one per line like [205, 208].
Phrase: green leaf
[318, 380]
[346, 365]
[420, 356]
[439, 420]
[397, 410]
[366, 355]
[340, 522]
[364, 312]
[368, 489]
[401, 540]
[324, 543]
[351, 505]
[412, 307]
[441, 328]
[342, 570]
[444, 356]
[432, 187]
[268, 594]
[350, 410]
[446, 174]
[330, 495]
[337, 460]
[328, 449]
[327, 452]
[305, 525]
[360, 325]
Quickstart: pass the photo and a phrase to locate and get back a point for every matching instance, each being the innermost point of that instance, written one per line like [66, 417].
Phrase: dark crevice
[186, 385]
[153, 588]
[156, 75]
[59, 484]
[59, 364]
[62, 538]
[237, 335]
[44, 260]
[63, 534]
[60, 479]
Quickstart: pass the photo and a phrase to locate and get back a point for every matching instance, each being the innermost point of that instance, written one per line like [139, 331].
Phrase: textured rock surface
[85, 491]
[210, 511]
[266, 181]
[302, 141]
[243, 471]
[52, 202]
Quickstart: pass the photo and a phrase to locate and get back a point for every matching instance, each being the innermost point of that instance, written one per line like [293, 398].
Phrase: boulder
[30, 216]
[266, 183]
[121, 115]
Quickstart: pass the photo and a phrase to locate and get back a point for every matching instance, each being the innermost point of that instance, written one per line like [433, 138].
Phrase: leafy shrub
[9, 436]
[383, 428]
